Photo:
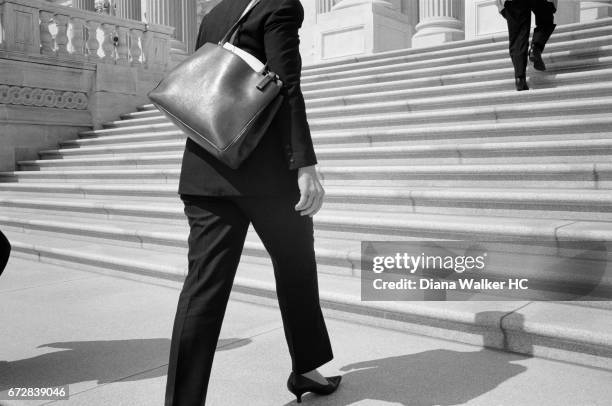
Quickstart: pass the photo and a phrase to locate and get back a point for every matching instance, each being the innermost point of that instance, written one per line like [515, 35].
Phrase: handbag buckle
[267, 79]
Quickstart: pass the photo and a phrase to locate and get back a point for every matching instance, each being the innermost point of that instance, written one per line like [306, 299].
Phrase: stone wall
[64, 70]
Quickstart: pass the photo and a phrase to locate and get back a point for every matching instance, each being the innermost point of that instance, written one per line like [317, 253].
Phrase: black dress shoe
[521, 84]
[535, 56]
[299, 384]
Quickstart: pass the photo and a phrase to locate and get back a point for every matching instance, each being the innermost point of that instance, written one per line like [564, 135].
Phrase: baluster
[2, 30]
[107, 46]
[46, 39]
[92, 43]
[122, 46]
[135, 51]
[61, 38]
[77, 39]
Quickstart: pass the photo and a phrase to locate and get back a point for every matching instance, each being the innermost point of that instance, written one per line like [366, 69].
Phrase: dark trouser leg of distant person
[518, 16]
[543, 11]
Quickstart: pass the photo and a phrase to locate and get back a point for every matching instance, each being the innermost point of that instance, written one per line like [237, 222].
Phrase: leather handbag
[223, 98]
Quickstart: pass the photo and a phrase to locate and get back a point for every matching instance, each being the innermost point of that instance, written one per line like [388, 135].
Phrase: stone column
[161, 12]
[128, 9]
[180, 14]
[84, 4]
[189, 26]
[440, 21]
[325, 6]
[594, 10]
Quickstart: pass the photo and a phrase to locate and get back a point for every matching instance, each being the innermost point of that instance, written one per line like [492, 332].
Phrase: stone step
[410, 103]
[503, 88]
[579, 58]
[111, 191]
[580, 175]
[406, 118]
[543, 128]
[170, 154]
[146, 110]
[553, 151]
[556, 330]
[442, 126]
[563, 33]
[576, 175]
[147, 132]
[253, 253]
[554, 53]
[334, 256]
[127, 138]
[506, 202]
[413, 89]
[469, 77]
[472, 99]
[162, 201]
[537, 130]
[355, 226]
[543, 266]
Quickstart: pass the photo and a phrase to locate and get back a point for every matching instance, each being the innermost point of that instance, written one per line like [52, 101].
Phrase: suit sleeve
[201, 34]
[281, 41]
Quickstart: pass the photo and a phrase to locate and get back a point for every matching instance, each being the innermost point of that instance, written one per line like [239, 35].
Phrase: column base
[568, 12]
[436, 31]
[361, 28]
[594, 10]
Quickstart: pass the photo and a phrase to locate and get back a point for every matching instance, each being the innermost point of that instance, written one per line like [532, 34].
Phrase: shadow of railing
[100, 361]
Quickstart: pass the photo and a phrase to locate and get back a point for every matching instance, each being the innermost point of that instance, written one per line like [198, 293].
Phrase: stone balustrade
[34, 27]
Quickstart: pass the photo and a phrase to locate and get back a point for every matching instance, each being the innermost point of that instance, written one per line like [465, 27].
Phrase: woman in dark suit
[277, 190]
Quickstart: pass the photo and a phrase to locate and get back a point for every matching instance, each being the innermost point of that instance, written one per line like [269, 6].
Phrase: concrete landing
[107, 335]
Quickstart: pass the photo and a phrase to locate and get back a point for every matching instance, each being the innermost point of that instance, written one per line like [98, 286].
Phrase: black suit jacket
[270, 33]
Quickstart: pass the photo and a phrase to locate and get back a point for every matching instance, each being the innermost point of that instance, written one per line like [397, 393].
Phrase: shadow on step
[548, 78]
[436, 377]
[100, 361]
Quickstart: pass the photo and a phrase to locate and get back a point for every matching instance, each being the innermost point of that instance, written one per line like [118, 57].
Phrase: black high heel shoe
[299, 384]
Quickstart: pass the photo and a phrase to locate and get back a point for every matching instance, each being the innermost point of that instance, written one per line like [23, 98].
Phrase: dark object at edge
[5, 251]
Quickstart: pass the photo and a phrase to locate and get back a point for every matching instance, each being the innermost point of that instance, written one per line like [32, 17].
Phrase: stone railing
[34, 27]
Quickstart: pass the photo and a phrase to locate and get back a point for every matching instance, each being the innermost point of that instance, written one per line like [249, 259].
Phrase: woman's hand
[311, 191]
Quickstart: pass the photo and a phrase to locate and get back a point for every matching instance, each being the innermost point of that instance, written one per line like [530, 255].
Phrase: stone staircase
[433, 143]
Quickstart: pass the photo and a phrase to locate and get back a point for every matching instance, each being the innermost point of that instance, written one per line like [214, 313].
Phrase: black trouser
[518, 16]
[5, 251]
[218, 230]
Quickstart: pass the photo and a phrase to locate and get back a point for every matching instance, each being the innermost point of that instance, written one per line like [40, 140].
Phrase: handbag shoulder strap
[242, 18]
